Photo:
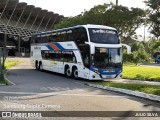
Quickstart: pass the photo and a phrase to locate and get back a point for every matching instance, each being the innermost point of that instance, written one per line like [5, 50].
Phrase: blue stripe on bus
[116, 71]
[59, 46]
[49, 47]
[103, 72]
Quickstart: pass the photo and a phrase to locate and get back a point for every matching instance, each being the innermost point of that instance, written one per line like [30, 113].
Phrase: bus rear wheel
[40, 67]
[75, 73]
[68, 72]
[36, 65]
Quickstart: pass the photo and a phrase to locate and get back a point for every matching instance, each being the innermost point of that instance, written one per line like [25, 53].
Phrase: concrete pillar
[19, 45]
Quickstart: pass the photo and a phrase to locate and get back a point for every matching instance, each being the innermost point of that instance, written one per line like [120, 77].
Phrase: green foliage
[125, 20]
[69, 22]
[154, 16]
[150, 89]
[141, 72]
[4, 82]
[137, 46]
[9, 64]
[139, 56]
[142, 52]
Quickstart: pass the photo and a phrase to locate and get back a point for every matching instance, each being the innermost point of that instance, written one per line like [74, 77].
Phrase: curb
[128, 92]
[2, 84]
[134, 81]
[10, 82]
[147, 80]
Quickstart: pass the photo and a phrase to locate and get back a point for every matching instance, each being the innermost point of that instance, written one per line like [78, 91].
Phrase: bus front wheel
[68, 72]
[75, 73]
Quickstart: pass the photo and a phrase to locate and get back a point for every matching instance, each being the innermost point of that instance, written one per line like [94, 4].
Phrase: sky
[75, 7]
[69, 8]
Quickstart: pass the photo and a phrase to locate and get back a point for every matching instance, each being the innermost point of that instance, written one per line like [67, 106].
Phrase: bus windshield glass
[103, 36]
[107, 57]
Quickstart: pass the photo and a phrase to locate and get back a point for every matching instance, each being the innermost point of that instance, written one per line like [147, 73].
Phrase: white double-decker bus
[91, 52]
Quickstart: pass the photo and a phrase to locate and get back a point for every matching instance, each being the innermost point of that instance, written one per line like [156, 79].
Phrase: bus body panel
[74, 54]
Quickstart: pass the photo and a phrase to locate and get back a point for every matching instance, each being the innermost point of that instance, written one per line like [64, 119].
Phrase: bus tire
[68, 72]
[75, 73]
[40, 66]
[36, 65]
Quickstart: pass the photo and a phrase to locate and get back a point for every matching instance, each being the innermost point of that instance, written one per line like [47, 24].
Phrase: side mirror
[92, 49]
[128, 48]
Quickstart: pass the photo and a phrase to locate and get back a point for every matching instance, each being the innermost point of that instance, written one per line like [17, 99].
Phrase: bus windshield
[103, 36]
[107, 57]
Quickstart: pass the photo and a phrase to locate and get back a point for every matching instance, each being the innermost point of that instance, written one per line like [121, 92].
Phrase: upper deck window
[103, 36]
[79, 35]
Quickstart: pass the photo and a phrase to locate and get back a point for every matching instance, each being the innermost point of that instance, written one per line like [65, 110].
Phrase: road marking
[3, 92]
[89, 95]
[62, 94]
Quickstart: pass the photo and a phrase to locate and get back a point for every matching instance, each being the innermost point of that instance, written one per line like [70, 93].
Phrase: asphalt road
[46, 91]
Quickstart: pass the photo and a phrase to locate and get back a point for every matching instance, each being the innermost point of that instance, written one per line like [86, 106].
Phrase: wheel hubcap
[68, 72]
[76, 73]
[40, 67]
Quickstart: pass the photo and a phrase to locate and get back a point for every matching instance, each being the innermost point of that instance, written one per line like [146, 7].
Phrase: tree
[3, 55]
[125, 20]
[154, 17]
[69, 22]
[137, 46]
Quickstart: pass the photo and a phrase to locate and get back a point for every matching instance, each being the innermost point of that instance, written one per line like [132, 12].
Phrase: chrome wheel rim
[40, 67]
[68, 72]
[76, 73]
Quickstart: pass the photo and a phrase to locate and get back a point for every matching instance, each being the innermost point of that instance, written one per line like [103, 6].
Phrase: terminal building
[18, 21]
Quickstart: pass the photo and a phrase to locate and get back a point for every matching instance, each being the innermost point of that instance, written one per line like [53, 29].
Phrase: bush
[136, 57]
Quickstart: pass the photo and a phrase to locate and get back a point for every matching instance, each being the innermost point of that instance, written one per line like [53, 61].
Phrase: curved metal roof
[23, 19]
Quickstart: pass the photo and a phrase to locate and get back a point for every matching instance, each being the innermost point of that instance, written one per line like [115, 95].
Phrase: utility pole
[116, 2]
[144, 31]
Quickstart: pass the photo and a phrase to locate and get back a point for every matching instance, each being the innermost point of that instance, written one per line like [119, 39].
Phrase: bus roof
[78, 26]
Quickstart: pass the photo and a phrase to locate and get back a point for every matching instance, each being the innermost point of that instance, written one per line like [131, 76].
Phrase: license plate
[108, 77]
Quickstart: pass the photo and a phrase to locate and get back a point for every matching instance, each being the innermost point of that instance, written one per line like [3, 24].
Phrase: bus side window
[80, 35]
[31, 54]
[44, 39]
[33, 39]
[37, 39]
[47, 56]
[69, 57]
[53, 56]
[52, 38]
[43, 54]
[86, 55]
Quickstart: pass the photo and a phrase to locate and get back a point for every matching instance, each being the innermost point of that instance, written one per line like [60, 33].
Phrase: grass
[149, 89]
[4, 82]
[8, 65]
[141, 72]
[11, 63]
